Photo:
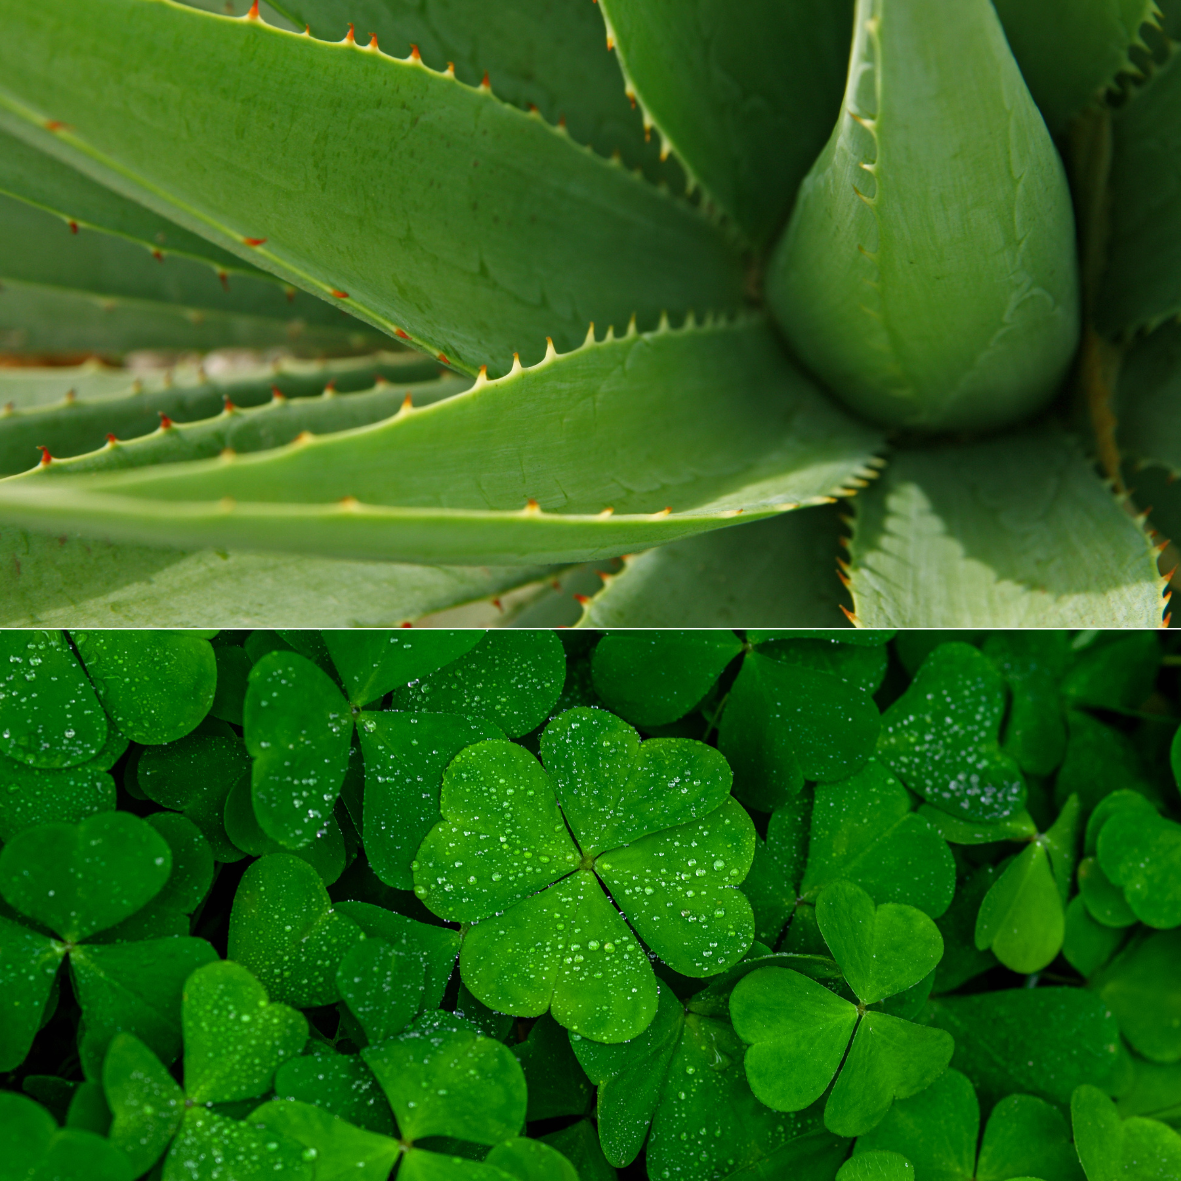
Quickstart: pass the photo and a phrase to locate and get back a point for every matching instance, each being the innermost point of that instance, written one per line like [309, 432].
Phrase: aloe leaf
[41, 180]
[548, 54]
[1016, 532]
[462, 473]
[924, 295]
[781, 570]
[744, 96]
[1069, 53]
[585, 240]
[45, 385]
[1141, 286]
[1149, 398]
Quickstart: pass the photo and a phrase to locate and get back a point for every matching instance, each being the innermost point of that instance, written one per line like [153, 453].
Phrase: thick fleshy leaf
[863, 830]
[1147, 398]
[882, 950]
[373, 663]
[342, 1084]
[1143, 855]
[652, 678]
[450, 482]
[336, 1148]
[28, 967]
[1032, 663]
[451, 1084]
[1113, 1150]
[615, 789]
[1012, 532]
[156, 685]
[81, 878]
[134, 988]
[29, 797]
[382, 986]
[1021, 918]
[146, 1102]
[284, 930]
[956, 765]
[1140, 287]
[779, 570]
[511, 679]
[405, 757]
[1074, 1031]
[557, 1083]
[1140, 987]
[744, 97]
[49, 715]
[210, 1147]
[566, 949]
[619, 245]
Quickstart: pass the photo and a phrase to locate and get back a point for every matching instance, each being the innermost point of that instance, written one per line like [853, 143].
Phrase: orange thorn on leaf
[253, 241]
[443, 357]
[340, 294]
[73, 227]
[485, 84]
[55, 125]
[46, 458]
[498, 604]
[252, 15]
[405, 625]
[349, 37]
[415, 56]
[407, 401]
[372, 41]
[228, 406]
[277, 395]
[225, 279]
[165, 421]
[400, 333]
[111, 440]
[158, 255]
[582, 600]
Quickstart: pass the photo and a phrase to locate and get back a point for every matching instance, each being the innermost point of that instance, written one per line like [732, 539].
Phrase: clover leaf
[155, 685]
[372, 662]
[36, 1149]
[1112, 1149]
[798, 1032]
[524, 853]
[557, 1083]
[941, 736]
[1140, 852]
[284, 928]
[877, 1166]
[29, 796]
[939, 1130]
[382, 985]
[1140, 987]
[80, 882]
[680, 1086]
[778, 866]
[1099, 760]
[49, 715]
[341, 1084]
[1112, 670]
[1086, 944]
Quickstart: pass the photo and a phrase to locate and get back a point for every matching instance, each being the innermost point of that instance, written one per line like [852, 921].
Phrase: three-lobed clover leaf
[36, 1149]
[1139, 986]
[90, 883]
[371, 663]
[938, 1131]
[799, 1032]
[1139, 852]
[1115, 1149]
[941, 737]
[524, 853]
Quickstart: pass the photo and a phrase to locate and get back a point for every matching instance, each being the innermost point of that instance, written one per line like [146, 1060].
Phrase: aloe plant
[693, 275]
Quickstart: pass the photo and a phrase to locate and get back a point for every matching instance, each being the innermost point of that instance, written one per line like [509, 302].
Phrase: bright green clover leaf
[579, 1144]
[939, 1130]
[1033, 664]
[284, 929]
[651, 678]
[531, 1160]
[941, 737]
[1075, 1036]
[1112, 1149]
[146, 1102]
[341, 1084]
[1103, 899]
[798, 1032]
[36, 1149]
[789, 719]
[653, 822]
[29, 796]
[194, 776]
[1140, 986]
[557, 1083]
[371, 663]
[156, 685]
[681, 1086]
[510, 678]
[49, 715]
[714, 999]
[1142, 854]
[876, 1166]
[383, 987]
[297, 728]
[405, 756]
[1087, 944]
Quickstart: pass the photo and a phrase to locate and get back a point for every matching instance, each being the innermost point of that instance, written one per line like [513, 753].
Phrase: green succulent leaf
[1021, 918]
[405, 757]
[953, 332]
[382, 986]
[511, 679]
[653, 678]
[373, 663]
[1142, 854]
[284, 929]
[863, 830]
[336, 1148]
[1140, 987]
[29, 797]
[457, 1084]
[957, 766]
[1135, 1149]
[147, 1105]
[1074, 1031]
[155, 685]
[1017, 530]
[211, 1146]
[1146, 399]
[341, 1084]
[745, 99]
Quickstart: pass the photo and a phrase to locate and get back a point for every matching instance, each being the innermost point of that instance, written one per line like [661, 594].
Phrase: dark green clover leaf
[778, 866]
[49, 715]
[85, 882]
[372, 662]
[1141, 987]
[798, 1032]
[579, 1144]
[383, 987]
[341, 1084]
[146, 1101]
[297, 727]
[941, 737]
[510, 678]
[876, 1166]
[405, 756]
[1103, 899]
[284, 929]
[192, 862]
[36, 1149]
[1087, 944]
[1033, 664]
[681, 1086]
[194, 776]
[1112, 1149]
[233, 672]
[962, 960]
[1038, 1041]
[939, 1131]
[1099, 760]
[557, 1083]
[1141, 852]
[651, 678]
[29, 796]
[653, 822]
[796, 711]
[156, 685]
[866, 637]
[1115, 670]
